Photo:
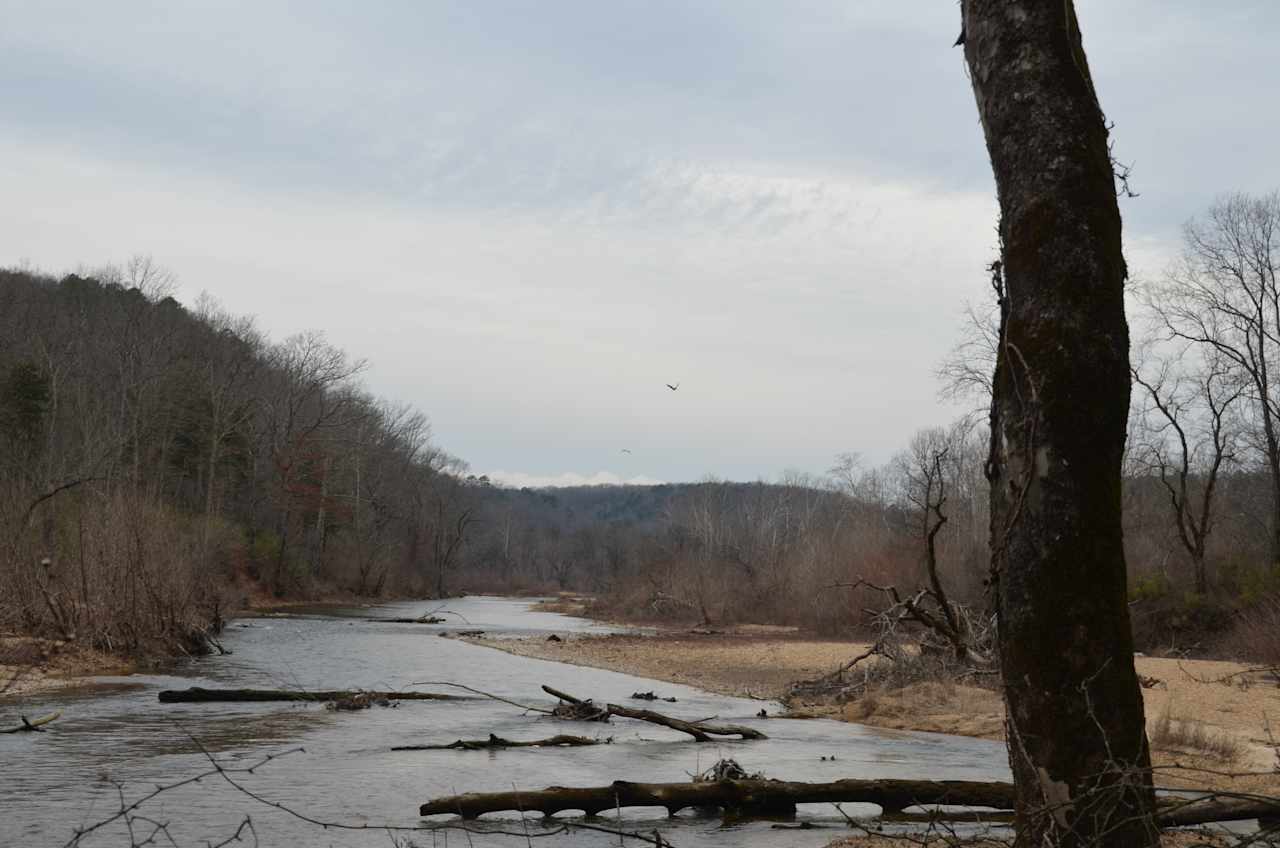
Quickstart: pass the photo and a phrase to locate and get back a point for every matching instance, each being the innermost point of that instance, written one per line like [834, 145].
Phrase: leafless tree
[1188, 439]
[1223, 296]
[965, 372]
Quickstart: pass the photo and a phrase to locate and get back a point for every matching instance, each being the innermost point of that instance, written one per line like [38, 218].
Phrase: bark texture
[1077, 743]
[771, 797]
[735, 796]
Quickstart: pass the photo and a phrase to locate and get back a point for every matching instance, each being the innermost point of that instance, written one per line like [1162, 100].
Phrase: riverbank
[30, 665]
[1205, 718]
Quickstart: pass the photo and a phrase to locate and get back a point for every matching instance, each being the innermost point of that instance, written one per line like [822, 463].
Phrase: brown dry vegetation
[28, 665]
[1203, 716]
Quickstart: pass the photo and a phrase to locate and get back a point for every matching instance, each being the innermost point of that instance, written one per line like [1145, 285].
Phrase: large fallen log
[1181, 812]
[198, 695]
[35, 724]
[779, 797]
[427, 620]
[699, 730]
[561, 740]
[735, 796]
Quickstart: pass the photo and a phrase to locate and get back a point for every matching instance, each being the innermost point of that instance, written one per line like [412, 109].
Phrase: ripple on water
[117, 730]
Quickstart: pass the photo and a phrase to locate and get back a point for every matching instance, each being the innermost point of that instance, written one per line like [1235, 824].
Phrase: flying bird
[673, 388]
[624, 450]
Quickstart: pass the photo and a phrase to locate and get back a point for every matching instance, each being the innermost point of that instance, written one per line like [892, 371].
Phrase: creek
[114, 733]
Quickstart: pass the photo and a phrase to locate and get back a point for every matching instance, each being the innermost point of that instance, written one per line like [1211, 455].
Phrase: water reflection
[348, 773]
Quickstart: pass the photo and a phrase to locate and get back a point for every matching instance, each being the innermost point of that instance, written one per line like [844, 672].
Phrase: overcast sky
[531, 216]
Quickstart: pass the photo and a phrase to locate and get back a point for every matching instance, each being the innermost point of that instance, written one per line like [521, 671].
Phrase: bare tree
[1223, 296]
[1075, 728]
[967, 369]
[226, 371]
[1187, 440]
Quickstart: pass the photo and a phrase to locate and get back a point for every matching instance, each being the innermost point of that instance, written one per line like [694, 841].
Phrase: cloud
[520, 480]
[530, 218]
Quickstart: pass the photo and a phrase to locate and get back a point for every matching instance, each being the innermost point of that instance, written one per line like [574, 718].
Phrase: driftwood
[30, 725]
[431, 619]
[734, 796]
[700, 730]
[1179, 813]
[779, 797]
[198, 695]
[561, 740]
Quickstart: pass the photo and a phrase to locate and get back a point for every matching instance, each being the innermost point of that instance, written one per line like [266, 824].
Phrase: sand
[29, 666]
[763, 662]
[750, 662]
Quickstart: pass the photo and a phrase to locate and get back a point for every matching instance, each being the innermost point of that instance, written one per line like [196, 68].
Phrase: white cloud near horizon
[529, 219]
[521, 480]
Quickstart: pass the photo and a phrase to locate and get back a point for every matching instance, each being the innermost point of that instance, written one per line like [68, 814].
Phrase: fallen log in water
[29, 725]
[779, 797]
[737, 796]
[699, 730]
[561, 740]
[428, 620]
[1181, 812]
[198, 695]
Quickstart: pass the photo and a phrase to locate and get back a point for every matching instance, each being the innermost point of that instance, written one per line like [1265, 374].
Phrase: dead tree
[1189, 454]
[1223, 297]
[926, 471]
[1077, 744]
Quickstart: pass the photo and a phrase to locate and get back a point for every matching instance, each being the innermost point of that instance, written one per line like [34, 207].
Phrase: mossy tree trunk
[1077, 742]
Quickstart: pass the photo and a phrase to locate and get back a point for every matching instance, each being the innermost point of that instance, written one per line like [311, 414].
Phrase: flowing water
[115, 740]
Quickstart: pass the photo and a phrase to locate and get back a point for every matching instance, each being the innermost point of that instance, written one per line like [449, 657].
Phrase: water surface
[116, 730]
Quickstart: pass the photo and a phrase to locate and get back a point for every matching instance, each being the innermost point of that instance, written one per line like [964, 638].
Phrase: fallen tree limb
[754, 796]
[577, 709]
[489, 695]
[29, 725]
[198, 695]
[699, 730]
[561, 740]
[428, 620]
[732, 795]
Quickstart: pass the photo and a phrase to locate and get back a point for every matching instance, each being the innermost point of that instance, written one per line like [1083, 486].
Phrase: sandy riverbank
[29, 665]
[1231, 709]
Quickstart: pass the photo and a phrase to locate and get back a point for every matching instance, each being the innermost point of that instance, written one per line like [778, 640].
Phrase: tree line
[156, 459]
[159, 463]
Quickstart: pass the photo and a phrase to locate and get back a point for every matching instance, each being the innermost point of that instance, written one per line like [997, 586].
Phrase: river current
[115, 738]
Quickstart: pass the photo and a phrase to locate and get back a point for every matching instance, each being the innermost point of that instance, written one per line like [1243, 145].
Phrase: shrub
[1180, 734]
[1256, 633]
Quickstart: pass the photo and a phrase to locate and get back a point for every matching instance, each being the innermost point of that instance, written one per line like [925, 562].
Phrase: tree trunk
[1077, 745]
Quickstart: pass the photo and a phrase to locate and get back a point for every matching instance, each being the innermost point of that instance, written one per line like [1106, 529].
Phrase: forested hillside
[157, 458]
[161, 464]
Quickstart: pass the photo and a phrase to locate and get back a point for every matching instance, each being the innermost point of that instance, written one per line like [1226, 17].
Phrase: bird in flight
[624, 450]
[673, 388]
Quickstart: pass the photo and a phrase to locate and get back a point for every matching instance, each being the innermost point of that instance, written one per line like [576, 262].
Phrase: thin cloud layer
[530, 218]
